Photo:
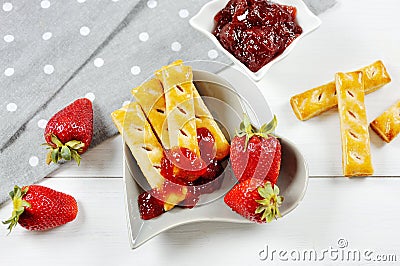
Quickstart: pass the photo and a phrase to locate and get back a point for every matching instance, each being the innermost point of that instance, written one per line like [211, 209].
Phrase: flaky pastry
[323, 98]
[356, 154]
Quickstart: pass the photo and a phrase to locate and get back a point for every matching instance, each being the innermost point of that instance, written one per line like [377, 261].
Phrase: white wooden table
[361, 212]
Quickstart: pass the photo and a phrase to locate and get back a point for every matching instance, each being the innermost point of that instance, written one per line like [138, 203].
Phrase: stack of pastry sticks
[347, 93]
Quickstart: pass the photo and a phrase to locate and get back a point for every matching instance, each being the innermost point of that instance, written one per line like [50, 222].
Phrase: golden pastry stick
[181, 119]
[138, 135]
[320, 99]
[205, 119]
[387, 125]
[132, 124]
[356, 154]
[150, 96]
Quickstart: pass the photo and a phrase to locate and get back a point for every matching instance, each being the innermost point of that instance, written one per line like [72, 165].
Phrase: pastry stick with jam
[138, 134]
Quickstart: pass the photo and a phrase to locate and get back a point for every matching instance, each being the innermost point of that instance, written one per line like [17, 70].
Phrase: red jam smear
[149, 206]
[256, 31]
[185, 164]
[206, 143]
[182, 168]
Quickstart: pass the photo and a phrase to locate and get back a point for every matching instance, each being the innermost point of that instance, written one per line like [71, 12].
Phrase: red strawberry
[255, 200]
[40, 208]
[256, 154]
[69, 132]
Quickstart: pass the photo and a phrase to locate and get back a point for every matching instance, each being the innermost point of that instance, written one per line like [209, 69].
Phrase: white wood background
[363, 211]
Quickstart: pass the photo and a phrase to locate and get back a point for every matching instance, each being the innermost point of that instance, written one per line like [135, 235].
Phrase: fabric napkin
[54, 52]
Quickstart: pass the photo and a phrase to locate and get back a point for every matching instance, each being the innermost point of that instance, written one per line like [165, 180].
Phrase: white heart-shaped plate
[228, 94]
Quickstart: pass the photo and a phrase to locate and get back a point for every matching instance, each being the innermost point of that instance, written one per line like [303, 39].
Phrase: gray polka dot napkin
[53, 52]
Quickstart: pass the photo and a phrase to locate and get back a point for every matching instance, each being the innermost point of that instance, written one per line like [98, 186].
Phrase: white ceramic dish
[227, 106]
[203, 21]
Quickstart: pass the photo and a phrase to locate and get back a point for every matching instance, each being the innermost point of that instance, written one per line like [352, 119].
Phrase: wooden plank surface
[361, 211]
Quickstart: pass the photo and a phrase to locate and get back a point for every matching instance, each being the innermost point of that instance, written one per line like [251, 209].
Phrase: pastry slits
[132, 124]
[320, 99]
[150, 96]
[179, 105]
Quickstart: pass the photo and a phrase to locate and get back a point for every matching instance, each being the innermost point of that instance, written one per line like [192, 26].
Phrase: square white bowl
[203, 21]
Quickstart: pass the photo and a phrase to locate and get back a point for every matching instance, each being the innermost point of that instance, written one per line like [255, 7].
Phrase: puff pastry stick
[145, 147]
[150, 96]
[179, 103]
[356, 154]
[387, 125]
[320, 99]
[205, 119]
[138, 135]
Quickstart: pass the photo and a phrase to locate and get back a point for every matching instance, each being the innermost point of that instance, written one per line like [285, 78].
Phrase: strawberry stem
[269, 205]
[248, 130]
[19, 206]
[65, 151]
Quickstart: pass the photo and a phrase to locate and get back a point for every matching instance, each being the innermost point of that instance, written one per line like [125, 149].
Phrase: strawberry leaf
[75, 144]
[270, 127]
[54, 155]
[56, 141]
[75, 155]
[246, 142]
[242, 127]
[248, 130]
[276, 190]
[19, 206]
[270, 202]
[260, 209]
[48, 157]
[65, 153]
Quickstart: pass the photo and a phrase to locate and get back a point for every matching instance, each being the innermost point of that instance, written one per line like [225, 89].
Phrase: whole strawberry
[69, 132]
[40, 208]
[255, 200]
[256, 153]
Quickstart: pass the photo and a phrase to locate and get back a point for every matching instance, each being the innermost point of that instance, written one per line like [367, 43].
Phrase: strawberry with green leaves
[255, 200]
[39, 208]
[255, 157]
[69, 132]
[256, 153]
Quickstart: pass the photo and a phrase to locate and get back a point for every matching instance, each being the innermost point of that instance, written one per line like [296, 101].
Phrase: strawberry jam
[256, 31]
[185, 163]
[182, 166]
[149, 206]
[206, 144]
[184, 171]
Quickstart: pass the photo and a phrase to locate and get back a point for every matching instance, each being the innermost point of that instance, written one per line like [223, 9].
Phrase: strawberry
[255, 200]
[256, 153]
[40, 208]
[69, 132]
